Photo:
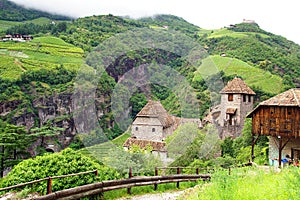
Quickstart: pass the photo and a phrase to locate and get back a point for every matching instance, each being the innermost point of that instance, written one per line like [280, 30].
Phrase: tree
[44, 131]
[14, 141]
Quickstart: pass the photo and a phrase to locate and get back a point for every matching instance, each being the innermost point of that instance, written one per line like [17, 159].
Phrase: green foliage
[273, 53]
[170, 22]
[14, 142]
[13, 12]
[137, 102]
[63, 163]
[204, 146]
[239, 149]
[91, 31]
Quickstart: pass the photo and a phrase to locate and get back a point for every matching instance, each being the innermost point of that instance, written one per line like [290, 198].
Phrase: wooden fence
[131, 181]
[104, 186]
[49, 181]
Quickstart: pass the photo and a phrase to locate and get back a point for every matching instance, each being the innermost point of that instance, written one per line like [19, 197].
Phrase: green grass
[4, 25]
[224, 32]
[249, 184]
[9, 68]
[119, 141]
[51, 40]
[251, 75]
[40, 21]
[40, 53]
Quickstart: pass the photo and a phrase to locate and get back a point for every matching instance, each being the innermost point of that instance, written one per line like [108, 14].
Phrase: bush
[65, 162]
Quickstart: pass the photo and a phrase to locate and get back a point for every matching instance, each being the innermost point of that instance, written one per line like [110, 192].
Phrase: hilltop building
[151, 127]
[279, 118]
[16, 38]
[236, 101]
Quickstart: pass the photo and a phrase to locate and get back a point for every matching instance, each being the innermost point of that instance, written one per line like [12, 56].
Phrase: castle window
[249, 98]
[136, 128]
[244, 98]
[230, 97]
[153, 129]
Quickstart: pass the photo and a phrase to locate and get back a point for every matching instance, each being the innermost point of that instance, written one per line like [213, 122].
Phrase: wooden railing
[49, 181]
[131, 181]
[104, 186]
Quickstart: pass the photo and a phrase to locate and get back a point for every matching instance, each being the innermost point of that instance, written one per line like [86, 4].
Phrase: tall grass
[250, 184]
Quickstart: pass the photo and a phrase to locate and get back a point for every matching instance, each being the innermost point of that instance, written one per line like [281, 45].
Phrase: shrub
[65, 162]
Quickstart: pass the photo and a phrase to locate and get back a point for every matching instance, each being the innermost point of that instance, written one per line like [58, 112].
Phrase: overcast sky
[278, 17]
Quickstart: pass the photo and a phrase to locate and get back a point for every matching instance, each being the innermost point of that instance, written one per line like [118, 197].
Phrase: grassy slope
[4, 25]
[252, 76]
[43, 52]
[224, 32]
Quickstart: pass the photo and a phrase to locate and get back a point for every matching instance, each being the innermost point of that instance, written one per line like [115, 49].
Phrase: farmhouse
[152, 125]
[236, 101]
[279, 118]
[16, 38]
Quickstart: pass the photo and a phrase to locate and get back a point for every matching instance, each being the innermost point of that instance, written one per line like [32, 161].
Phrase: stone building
[279, 118]
[151, 127]
[236, 102]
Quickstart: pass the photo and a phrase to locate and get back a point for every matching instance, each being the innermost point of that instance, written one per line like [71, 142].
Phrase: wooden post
[49, 185]
[96, 172]
[279, 151]
[178, 172]
[197, 171]
[130, 176]
[229, 171]
[156, 174]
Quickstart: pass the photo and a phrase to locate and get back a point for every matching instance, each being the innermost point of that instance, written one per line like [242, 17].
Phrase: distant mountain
[12, 12]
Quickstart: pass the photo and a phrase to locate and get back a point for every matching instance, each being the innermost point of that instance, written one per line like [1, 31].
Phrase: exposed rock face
[58, 108]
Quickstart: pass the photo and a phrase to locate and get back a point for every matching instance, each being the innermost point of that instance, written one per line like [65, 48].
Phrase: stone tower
[236, 101]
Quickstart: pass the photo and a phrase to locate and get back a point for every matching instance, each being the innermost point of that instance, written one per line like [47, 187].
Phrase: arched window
[230, 97]
[153, 129]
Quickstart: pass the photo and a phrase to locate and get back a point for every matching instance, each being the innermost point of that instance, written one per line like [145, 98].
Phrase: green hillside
[253, 76]
[257, 47]
[41, 53]
[13, 12]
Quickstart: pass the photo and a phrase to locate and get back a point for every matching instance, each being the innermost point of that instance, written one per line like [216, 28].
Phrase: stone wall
[147, 128]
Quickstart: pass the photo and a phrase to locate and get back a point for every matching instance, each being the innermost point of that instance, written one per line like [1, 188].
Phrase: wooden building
[279, 118]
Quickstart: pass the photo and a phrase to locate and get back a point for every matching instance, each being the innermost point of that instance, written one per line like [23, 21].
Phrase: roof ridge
[295, 95]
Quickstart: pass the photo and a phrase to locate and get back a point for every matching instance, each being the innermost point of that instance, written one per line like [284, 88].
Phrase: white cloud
[274, 16]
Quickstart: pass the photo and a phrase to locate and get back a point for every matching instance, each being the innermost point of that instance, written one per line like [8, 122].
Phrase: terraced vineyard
[40, 53]
[253, 76]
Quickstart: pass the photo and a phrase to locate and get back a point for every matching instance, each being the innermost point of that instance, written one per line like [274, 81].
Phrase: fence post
[49, 185]
[130, 176]
[178, 172]
[96, 172]
[156, 174]
[229, 171]
[197, 171]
